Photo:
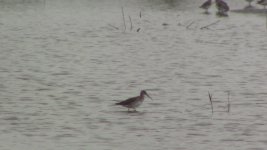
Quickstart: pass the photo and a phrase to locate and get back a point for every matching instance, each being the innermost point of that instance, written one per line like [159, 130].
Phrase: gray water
[63, 63]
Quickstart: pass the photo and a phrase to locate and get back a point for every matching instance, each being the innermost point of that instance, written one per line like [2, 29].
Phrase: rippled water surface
[64, 63]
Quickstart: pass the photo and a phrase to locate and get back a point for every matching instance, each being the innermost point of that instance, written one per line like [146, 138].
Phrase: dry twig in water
[228, 105]
[211, 104]
[113, 27]
[206, 27]
[131, 23]
[122, 11]
[187, 27]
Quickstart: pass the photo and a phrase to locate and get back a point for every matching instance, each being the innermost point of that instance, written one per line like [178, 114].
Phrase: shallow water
[64, 63]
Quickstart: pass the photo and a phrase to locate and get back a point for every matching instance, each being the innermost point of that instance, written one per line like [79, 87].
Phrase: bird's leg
[128, 109]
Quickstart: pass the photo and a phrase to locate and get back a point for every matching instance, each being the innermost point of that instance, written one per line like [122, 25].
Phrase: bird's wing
[127, 101]
[226, 7]
[204, 4]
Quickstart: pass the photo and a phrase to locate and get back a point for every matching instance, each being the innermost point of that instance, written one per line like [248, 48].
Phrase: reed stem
[206, 27]
[122, 12]
[229, 104]
[131, 23]
[211, 104]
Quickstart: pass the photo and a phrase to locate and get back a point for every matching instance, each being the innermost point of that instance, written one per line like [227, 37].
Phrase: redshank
[134, 102]
[206, 5]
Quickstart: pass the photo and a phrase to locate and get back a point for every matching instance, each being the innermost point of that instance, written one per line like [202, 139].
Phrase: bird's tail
[117, 102]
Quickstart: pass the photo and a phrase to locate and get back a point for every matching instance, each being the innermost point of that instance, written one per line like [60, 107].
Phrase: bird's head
[143, 92]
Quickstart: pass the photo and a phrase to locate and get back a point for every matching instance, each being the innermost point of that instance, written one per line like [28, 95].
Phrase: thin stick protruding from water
[211, 104]
[229, 104]
[131, 22]
[113, 26]
[140, 14]
[187, 27]
[206, 27]
[122, 12]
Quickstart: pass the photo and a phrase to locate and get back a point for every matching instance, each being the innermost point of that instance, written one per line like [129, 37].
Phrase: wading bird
[206, 5]
[222, 7]
[134, 102]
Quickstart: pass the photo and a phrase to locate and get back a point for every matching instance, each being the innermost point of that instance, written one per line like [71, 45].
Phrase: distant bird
[222, 7]
[206, 5]
[249, 2]
[134, 102]
[262, 2]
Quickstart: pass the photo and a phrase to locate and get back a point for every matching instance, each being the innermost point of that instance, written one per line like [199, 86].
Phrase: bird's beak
[148, 96]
